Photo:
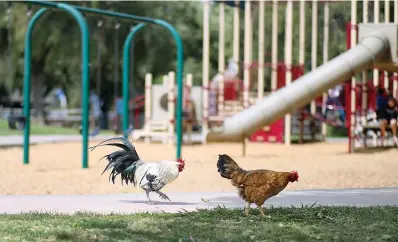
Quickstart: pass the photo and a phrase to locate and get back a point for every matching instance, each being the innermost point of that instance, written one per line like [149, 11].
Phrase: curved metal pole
[180, 84]
[126, 76]
[85, 75]
[179, 73]
[26, 81]
[85, 78]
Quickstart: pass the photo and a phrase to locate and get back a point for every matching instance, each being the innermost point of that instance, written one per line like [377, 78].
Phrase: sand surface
[56, 168]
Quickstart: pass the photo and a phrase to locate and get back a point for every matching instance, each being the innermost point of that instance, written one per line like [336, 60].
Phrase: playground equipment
[159, 109]
[239, 126]
[362, 95]
[160, 100]
[75, 12]
[216, 102]
[282, 75]
[313, 119]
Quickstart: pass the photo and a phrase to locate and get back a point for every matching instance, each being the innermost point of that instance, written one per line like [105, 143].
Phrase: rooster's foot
[163, 196]
[149, 201]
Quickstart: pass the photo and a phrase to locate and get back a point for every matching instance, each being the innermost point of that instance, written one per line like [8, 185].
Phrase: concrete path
[17, 140]
[133, 203]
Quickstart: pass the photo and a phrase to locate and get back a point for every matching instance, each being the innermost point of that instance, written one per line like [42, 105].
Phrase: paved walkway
[132, 203]
[17, 140]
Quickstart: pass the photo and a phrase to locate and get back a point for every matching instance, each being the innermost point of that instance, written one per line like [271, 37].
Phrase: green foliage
[337, 132]
[282, 224]
[37, 129]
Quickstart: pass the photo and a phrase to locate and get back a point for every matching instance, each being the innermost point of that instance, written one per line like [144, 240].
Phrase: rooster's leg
[261, 209]
[163, 196]
[147, 197]
[247, 208]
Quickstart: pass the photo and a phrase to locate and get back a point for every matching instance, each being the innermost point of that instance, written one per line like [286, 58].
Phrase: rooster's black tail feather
[122, 161]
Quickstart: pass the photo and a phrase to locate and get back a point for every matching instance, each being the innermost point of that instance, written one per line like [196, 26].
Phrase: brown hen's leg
[261, 209]
[247, 208]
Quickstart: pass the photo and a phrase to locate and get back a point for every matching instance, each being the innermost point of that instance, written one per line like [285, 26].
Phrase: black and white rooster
[150, 176]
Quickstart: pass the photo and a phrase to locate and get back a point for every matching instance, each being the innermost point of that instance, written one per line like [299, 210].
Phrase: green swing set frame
[75, 12]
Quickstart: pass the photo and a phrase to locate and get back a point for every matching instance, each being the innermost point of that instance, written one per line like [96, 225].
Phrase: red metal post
[348, 91]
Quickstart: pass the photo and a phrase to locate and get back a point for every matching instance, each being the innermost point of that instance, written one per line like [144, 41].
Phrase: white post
[325, 57]
[246, 61]
[205, 75]
[236, 33]
[171, 106]
[274, 74]
[148, 104]
[395, 82]
[251, 36]
[221, 59]
[365, 73]
[302, 34]
[260, 86]
[189, 107]
[314, 43]
[376, 21]
[302, 55]
[387, 20]
[165, 80]
[387, 11]
[353, 79]
[288, 62]
[246, 93]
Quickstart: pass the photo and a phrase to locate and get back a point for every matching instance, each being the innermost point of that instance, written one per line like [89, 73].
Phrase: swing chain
[8, 10]
[29, 11]
[9, 39]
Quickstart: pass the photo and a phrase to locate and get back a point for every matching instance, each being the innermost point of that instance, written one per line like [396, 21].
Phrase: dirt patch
[56, 168]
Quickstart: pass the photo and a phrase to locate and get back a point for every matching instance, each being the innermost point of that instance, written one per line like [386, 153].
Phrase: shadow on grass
[156, 202]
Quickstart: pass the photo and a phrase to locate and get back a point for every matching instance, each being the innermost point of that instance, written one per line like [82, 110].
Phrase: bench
[158, 129]
[375, 129]
[66, 117]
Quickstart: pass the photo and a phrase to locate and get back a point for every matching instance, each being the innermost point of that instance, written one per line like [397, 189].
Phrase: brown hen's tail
[226, 166]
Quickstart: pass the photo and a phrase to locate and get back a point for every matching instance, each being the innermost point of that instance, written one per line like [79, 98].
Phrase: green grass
[337, 132]
[42, 130]
[284, 224]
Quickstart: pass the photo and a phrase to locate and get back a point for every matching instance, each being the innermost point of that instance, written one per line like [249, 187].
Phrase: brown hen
[254, 186]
